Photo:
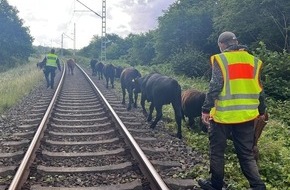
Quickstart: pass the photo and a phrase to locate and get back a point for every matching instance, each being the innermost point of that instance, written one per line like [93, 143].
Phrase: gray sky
[48, 20]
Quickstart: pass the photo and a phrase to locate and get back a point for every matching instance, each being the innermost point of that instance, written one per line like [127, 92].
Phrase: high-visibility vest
[239, 100]
[51, 60]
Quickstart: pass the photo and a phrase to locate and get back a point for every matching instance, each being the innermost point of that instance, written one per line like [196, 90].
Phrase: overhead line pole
[64, 34]
[104, 32]
[104, 35]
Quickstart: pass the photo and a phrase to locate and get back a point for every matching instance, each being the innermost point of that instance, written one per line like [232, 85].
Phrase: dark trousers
[49, 73]
[243, 139]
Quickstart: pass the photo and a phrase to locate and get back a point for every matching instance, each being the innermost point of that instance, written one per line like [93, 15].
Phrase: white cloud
[48, 20]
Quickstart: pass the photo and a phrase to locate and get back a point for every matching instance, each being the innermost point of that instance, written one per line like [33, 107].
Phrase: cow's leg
[142, 102]
[112, 81]
[130, 94]
[178, 117]
[107, 82]
[202, 126]
[158, 116]
[191, 122]
[135, 99]
[151, 108]
[124, 94]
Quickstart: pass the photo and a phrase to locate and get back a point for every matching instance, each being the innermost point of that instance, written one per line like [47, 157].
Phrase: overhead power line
[89, 8]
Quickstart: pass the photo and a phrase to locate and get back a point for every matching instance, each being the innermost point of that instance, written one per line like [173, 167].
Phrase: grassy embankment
[18, 82]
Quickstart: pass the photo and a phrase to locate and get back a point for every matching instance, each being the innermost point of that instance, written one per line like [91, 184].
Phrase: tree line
[15, 39]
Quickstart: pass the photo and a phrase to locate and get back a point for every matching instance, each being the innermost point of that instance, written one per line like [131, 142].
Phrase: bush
[190, 63]
[275, 75]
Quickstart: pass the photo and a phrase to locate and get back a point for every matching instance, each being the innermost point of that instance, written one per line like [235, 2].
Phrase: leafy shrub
[191, 63]
[275, 76]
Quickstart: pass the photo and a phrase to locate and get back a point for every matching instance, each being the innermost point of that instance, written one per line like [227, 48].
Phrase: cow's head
[40, 65]
[137, 82]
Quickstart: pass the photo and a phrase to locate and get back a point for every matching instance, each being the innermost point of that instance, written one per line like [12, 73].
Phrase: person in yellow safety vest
[51, 64]
[235, 98]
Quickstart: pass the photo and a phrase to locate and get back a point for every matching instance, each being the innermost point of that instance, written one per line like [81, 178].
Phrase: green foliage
[279, 110]
[274, 151]
[191, 63]
[255, 20]
[15, 40]
[93, 50]
[116, 47]
[187, 24]
[276, 77]
[142, 51]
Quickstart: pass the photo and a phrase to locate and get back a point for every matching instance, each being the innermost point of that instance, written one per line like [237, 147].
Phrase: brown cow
[71, 65]
[191, 103]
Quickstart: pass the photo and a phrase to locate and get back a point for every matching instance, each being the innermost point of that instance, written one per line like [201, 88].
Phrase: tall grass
[18, 82]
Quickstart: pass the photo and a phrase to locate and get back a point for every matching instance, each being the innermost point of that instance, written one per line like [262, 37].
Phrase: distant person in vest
[51, 64]
[233, 102]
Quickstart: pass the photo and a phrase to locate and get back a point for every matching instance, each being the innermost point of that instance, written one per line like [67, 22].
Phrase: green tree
[116, 47]
[15, 39]
[255, 21]
[186, 24]
[93, 50]
[142, 51]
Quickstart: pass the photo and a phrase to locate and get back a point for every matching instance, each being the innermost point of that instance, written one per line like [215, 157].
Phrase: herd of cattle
[155, 88]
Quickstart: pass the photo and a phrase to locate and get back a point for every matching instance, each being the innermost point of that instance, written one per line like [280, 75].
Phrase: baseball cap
[226, 36]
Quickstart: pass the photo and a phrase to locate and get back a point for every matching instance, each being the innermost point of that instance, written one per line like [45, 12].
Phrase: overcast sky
[49, 19]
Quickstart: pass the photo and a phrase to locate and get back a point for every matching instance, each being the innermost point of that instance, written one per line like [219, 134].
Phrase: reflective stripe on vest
[51, 60]
[239, 100]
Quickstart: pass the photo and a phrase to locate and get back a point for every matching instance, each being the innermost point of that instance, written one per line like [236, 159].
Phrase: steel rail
[23, 169]
[156, 182]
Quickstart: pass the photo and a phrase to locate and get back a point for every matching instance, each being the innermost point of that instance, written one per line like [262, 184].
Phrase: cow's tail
[178, 110]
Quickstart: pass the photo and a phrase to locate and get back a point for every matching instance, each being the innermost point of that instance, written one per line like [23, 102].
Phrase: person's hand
[264, 117]
[205, 118]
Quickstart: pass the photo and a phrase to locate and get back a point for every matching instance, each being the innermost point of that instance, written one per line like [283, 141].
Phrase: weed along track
[86, 139]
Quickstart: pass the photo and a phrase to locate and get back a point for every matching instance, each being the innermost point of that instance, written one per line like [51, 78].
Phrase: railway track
[90, 141]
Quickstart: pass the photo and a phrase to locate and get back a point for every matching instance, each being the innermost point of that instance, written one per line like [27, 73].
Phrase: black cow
[119, 70]
[40, 65]
[191, 103]
[160, 90]
[109, 74]
[93, 66]
[127, 78]
[99, 70]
